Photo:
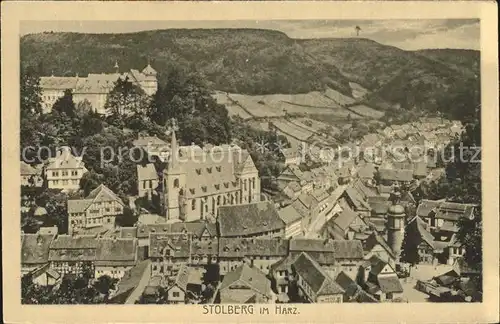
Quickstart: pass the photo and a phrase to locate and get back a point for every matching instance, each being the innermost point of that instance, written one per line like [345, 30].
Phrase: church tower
[395, 225]
[174, 180]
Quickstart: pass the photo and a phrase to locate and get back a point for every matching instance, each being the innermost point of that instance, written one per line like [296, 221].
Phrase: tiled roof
[78, 205]
[352, 291]
[182, 277]
[367, 171]
[390, 284]
[213, 172]
[375, 239]
[249, 276]
[146, 172]
[235, 247]
[289, 215]
[310, 271]
[248, 219]
[396, 174]
[69, 248]
[445, 210]
[131, 278]
[58, 83]
[377, 265]
[356, 199]
[175, 245]
[345, 219]
[418, 225]
[65, 160]
[99, 194]
[35, 248]
[116, 251]
[341, 249]
[196, 228]
[128, 232]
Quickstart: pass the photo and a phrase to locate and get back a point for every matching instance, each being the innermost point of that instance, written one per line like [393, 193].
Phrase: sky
[405, 34]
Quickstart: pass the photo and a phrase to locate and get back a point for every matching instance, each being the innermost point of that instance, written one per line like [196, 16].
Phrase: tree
[104, 284]
[30, 92]
[409, 250]
[90, 181]
[84, 108]
[126, 98]
[65, 104]
[358, 29]
[127, 219]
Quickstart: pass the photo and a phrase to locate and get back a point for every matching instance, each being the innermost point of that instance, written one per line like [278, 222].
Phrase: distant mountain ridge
[254, 61]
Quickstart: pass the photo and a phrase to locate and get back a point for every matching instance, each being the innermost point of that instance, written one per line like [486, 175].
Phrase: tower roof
[396, 210]
[148, 70]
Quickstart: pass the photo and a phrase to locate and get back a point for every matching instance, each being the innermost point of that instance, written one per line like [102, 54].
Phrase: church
[198, 180]
[95, 87]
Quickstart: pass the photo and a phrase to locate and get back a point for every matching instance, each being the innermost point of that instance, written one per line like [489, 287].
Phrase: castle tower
[395, 225]
[174, 180]
[150, 82]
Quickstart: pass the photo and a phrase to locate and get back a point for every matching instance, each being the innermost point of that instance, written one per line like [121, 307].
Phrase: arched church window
[176, 183]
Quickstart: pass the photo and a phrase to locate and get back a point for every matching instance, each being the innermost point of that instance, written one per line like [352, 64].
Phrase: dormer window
[204, 188]
[217, 187]
[198, 171]
[226, 184]
[218, 168]
[192, 191]
[209, 170]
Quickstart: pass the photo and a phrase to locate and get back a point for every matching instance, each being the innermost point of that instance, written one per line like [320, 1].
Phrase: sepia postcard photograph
[262, 162]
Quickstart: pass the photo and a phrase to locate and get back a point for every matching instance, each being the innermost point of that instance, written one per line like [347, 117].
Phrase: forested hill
[252, 61]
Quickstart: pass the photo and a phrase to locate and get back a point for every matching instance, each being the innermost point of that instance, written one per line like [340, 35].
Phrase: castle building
[95, 87]
[199, 180]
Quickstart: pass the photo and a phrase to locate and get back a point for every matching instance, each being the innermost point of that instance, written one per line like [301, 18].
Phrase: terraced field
[233, 109]
[292, 130]
[357, 90]
[367, 111]
[339, 97]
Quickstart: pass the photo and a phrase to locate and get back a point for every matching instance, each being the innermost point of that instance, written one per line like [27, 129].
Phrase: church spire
[117, 68]
[173, 146]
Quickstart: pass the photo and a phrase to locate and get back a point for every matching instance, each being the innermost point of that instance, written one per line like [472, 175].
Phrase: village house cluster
[330, 234]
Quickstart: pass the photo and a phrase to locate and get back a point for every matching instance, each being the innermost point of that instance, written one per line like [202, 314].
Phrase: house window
[55, 173]
[176, 183]
[108, 210]
[144, 185]
[253, 183]
[64, 173]
[218, 168]
[151, 184]
[193, 204]
[65, 182]
[209, 170]
[176, 294]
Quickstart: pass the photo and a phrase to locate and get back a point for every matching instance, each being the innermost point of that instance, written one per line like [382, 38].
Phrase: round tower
[395, 226]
